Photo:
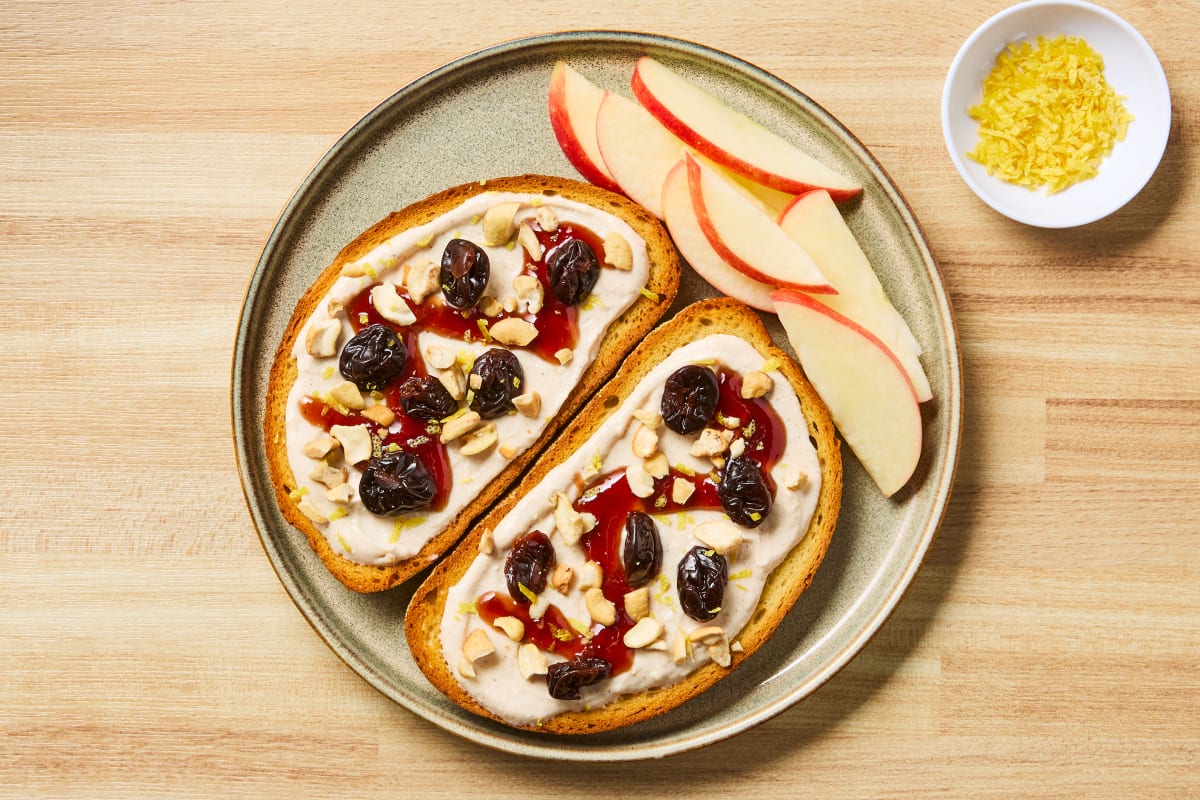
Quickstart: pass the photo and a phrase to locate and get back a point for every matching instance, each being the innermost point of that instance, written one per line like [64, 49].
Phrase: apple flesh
[574, 102]
[746, 237]
[815, 223]
[730, 138]
[866, 389]
[637, 150]
[680, 216]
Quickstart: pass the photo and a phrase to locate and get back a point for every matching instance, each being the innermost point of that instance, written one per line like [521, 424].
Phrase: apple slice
[817, 225]
[574, 102]
[868, 393]
[638, 151]
[730, 138]
[680, 216]
[742, 232]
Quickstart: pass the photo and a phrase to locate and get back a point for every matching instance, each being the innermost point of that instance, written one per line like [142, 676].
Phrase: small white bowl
[1130, 67]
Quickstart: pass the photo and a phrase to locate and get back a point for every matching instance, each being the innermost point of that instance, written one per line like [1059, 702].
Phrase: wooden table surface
[1048, 648]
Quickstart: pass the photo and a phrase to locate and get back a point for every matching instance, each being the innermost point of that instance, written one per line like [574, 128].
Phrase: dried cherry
[500, 380]
[643, 549]
[564, 679]
[573, 270]
[465, 273]
[425, 398]
[373, 357]
[701, 580]
[689, 398]
[528, 565]
[744, 493]
[395, 482]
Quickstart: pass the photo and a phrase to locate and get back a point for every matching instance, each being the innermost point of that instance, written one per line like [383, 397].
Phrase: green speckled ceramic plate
[484, 115]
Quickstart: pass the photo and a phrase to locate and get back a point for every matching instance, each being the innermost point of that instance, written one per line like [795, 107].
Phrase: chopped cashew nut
[466, 668]
[490, 306]
[529, 291]
[645, 632]
[478, 440]
[547, 220]
[797, 479]
[564, 355]
[529, 403]
[617, 253]
[599, 607]
[591, 575]
[720, 653]
[321, 340]
[531, 661]
[455, 382]
[509, 303]
[312, 512]
[348, 395]
[719, 535]
[589, 521]
[391, 306]
[330, 476]
[756, 384]
[499, 224]
[560, 579]
[566, 519]
[514, 331]
[381, 414]
[487, 543]
[475, 381]
[319, 448]
[711, 442]
[508, 451]
[339, 494]
[513, 628]
[477, 645]
[679, 648]
[645, 441]
[640, 482]
[707, 634]
[637, 603]
[657, 465]
[528, 240]
[649, 417]
[439, 357]
[462, 424]
[356, 270]
[737, 448]
[681, 490]
[422, 280]
[355, 441]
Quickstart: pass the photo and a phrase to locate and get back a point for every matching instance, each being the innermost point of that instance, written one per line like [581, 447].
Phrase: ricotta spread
[498, 683]
[366, 538]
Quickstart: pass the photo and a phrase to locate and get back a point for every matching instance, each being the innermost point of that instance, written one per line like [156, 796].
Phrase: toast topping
[428, 304]
[690, 544]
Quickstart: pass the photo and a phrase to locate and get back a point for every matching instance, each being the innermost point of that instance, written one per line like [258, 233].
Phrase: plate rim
[575, 748]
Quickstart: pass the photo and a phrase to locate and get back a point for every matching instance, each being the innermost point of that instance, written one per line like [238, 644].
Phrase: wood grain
[1048, 647]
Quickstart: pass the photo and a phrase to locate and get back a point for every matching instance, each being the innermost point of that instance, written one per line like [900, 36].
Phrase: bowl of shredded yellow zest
[1056, 112]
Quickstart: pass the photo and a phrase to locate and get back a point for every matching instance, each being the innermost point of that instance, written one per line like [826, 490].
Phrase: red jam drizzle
[408, 433]
[556, 323]
[610, 500]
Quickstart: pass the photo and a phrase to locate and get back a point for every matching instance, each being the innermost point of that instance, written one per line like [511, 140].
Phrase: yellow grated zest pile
[1048, 117]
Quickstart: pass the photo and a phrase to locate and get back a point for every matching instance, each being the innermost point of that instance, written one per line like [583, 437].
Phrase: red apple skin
[801, 299]
[786, 297]
[731, 258]
[680, 216]
[568, 139]
[731, 162]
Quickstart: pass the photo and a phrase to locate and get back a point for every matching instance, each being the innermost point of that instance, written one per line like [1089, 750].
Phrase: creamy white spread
[499, 685]
[365, 538]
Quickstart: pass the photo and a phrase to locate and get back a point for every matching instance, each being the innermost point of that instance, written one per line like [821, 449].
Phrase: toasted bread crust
[622, 335]
[783, 586]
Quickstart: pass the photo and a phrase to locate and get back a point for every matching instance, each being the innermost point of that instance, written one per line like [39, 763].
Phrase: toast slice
[492, 634]
[308, 402]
